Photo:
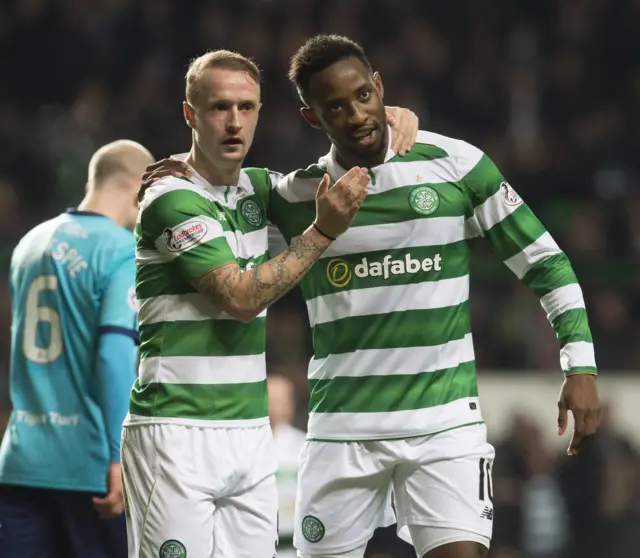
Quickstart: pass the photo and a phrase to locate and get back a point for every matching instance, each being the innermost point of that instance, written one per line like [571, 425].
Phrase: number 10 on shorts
[485, 489]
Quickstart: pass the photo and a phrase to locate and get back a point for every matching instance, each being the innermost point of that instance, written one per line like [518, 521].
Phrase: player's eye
[220, 106]
[365, 95]
[334, 107]
[247, 106]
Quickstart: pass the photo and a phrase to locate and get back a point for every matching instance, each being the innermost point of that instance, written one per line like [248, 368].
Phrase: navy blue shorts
[42, 523]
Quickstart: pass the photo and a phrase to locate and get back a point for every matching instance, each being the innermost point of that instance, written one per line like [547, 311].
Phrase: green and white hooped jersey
[389, 300]
[198, 366]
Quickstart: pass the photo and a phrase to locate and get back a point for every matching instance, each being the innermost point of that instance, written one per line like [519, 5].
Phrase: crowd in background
[550, 89]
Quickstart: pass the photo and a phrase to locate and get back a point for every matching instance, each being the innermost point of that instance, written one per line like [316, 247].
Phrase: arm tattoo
[259, 287]
[276, 277]
[220, 283]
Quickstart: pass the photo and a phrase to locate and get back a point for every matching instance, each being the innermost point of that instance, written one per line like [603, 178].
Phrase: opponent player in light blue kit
[73, 353]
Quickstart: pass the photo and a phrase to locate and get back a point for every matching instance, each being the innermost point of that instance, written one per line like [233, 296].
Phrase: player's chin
[234, 153]
[371, 146]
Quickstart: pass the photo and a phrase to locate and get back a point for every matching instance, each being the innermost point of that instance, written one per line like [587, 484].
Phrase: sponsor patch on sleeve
[185, 235]
[509, 195]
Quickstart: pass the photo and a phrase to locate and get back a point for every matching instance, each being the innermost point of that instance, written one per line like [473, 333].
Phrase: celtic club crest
[312, 529]
[172, 549]
[251, 213]
[424, 200]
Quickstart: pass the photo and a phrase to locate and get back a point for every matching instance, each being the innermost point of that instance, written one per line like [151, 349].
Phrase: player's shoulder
[36, 236]
[312, 172]
[94, 228]
[301, 184]
[65, 226]
[105, 242]
[182, 185]
[450, 147]
[95, 238]
[457, 154]
[262, 176]
[44, 227]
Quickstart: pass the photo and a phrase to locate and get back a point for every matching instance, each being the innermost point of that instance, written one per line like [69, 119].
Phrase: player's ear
[188, 113]
[377, 80]
[310, 118]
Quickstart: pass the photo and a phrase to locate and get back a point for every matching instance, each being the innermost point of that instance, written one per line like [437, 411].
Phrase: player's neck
[215, 175]
[104, 205]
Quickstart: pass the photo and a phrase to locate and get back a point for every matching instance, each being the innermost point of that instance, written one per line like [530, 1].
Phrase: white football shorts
[199, 492]
[441, 487]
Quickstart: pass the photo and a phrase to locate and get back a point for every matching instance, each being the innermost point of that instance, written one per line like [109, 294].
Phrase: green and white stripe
[373, 301]
[388, 301]
[199, 366]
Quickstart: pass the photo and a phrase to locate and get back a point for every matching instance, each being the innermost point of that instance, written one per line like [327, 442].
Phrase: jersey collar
[74, 211]
[244, 183]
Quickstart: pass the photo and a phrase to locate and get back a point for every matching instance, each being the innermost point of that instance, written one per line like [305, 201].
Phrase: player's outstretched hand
[404, 129]
[337, 205]
[160, 169]
[579, 394]
[112, 504]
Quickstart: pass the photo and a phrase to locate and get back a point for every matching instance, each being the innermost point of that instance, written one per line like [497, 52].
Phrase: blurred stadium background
[550, 89]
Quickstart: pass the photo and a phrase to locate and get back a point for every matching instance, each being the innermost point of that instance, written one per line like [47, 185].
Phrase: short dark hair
[319, 53]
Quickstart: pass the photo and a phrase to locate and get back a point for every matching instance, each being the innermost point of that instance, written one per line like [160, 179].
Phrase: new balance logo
[487, 513]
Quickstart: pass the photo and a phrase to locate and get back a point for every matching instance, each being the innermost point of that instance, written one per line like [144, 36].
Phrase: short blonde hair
[225, 59]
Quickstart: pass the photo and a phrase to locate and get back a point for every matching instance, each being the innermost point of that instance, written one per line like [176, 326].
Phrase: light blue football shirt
[73, 352]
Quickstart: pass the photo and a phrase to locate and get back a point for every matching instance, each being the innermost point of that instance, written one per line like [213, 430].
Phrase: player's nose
[357, 115]
[233, 121]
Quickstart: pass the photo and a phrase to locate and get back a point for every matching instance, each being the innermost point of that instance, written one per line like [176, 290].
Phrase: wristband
[323, 233]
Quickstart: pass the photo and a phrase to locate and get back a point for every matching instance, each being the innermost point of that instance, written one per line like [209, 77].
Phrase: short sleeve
[183, 227]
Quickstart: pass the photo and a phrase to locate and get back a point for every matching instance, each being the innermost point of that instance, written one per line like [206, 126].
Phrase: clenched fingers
[592, 421]
[588, 427]
[580, 431]
[577, 443]
[108, 507]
